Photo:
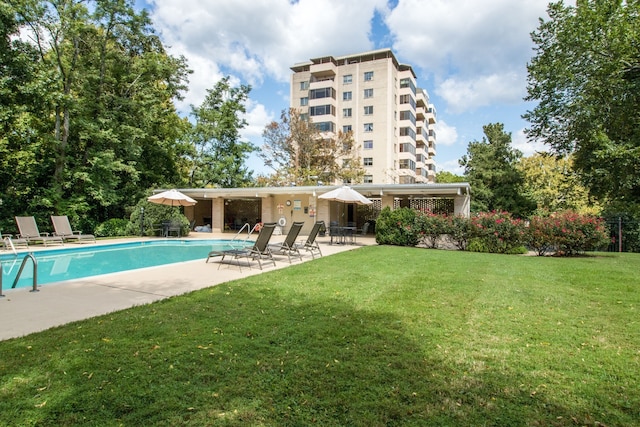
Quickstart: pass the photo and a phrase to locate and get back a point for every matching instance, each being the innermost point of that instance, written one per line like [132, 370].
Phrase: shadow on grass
[256, 354]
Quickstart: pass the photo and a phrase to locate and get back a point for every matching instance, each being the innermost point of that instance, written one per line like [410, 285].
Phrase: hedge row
[564, 233]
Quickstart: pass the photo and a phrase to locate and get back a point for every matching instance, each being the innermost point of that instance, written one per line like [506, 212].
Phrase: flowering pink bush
[497, 232]
[567, 233]
[431, 227]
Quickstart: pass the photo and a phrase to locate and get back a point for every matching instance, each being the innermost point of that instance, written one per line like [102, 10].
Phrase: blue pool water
[93, 260]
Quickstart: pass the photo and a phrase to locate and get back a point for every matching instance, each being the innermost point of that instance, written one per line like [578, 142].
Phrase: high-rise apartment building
[378, 100]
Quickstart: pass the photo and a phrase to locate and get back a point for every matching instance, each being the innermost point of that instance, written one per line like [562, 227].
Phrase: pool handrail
[35, 271]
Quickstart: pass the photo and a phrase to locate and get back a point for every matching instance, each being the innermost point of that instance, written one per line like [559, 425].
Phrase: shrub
[498, 231]
[397, 227]
[430, 227]
[459, 231]
[568, 232]
[114, 227]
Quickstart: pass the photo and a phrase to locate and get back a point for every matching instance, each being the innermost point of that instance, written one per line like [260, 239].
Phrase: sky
[469, 55]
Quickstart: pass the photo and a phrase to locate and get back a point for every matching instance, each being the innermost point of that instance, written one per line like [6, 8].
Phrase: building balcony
[323, 70]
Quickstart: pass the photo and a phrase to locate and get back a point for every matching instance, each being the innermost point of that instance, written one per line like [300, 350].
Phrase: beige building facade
[377, 99]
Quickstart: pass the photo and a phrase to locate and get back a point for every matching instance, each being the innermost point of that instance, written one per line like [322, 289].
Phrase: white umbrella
[345, 194]
[172, 198]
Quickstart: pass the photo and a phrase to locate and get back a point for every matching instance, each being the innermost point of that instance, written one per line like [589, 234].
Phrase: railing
[250, 231]
[35, 272]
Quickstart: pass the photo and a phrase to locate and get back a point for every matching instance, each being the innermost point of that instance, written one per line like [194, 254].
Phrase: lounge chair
[259, 251]
[11, 243]
[310, 244]
[289, 246]
[63, 229]
[29, 231]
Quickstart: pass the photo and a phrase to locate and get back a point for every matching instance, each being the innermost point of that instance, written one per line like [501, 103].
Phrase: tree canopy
[88, 116]
[219, 153]
[553, 184]
[299, 154]
[585, 77]
[491, 169]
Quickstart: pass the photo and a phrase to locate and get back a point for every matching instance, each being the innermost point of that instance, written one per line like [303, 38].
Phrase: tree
[21, 100]
[490, 168]
[553, 184]
[585, 77]
[219, 154]
[107, 128]
[446, 177]
[300, 154]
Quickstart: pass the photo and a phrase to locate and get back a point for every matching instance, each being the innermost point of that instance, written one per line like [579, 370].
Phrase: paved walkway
[23, 312]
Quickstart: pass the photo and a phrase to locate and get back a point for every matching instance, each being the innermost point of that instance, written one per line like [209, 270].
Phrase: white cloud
[469, 94]
[466, 45]
[446, 135]
[257, 117]
[519, 142]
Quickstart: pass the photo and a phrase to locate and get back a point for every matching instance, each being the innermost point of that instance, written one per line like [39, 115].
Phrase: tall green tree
[109, 129]
[21, 101]
[585, 79]
[490, 167]
[219, 153]
[300, 154]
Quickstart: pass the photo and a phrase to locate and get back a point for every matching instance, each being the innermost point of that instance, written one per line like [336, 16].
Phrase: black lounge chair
[310, 244]
[260, 250]
[289, 246]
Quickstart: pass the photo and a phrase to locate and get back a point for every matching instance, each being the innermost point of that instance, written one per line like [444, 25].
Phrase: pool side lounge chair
[289, 247]
[29, 231]
[311, 244]
[259, 251]
[63, 229]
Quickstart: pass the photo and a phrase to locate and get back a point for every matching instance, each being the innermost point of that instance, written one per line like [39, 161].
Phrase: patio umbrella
[345, 194]
[172, 198]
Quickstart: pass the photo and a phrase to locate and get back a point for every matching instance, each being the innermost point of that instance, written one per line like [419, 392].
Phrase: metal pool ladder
[35, 273]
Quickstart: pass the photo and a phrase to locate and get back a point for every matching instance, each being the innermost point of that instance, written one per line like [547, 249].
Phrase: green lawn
[372, 337]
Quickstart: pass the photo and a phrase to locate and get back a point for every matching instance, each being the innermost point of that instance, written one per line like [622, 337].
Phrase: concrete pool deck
[23, 312]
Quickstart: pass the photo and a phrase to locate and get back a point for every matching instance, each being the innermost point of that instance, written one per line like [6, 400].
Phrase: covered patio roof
[368, 190]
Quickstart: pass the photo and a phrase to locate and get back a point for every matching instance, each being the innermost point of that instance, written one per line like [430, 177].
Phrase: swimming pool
[59, 265]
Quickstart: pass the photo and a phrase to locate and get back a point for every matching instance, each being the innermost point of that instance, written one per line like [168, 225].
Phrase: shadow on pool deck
[23, 312]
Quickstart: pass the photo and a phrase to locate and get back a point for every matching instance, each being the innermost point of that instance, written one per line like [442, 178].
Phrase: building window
[304, 101]
[347, 129]
[346, 112]
[325, 126]
[408, 99]
[367, 161]
[368, 127]
[407, 148]
[407, 164]
[368, 93]
[321, 110]
[346, 96]
[304, 85]
[408, 83]
[407, 131]
[368, 144]
[408, 115]
[368, 110]
[347, 79]
[368, 179]
[326, 92]
[368, 76]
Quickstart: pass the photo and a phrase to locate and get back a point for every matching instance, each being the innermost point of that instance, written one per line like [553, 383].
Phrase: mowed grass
[372, 337]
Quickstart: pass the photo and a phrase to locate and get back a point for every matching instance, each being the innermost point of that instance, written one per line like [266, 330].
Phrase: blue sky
[469, 55]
